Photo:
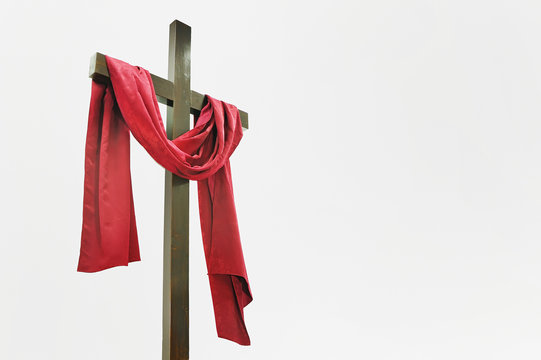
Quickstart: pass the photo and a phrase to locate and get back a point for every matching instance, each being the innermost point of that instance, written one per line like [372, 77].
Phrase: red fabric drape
[109, 234]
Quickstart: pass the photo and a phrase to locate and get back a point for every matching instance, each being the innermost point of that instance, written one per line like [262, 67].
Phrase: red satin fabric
[109, 234]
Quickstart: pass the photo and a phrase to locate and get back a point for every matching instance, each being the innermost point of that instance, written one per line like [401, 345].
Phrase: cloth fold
[109, 234]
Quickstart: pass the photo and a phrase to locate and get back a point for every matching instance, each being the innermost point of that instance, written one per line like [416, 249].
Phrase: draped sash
[109, 234]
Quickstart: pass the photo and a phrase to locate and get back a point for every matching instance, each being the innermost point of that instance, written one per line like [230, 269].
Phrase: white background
[388, 189]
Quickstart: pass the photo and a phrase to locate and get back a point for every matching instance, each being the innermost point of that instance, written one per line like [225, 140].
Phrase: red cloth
[109, 234]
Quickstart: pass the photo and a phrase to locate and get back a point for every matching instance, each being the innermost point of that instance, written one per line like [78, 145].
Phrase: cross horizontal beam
[164, 88]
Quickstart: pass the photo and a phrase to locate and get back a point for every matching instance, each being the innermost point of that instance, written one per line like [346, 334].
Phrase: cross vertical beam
[175, 341]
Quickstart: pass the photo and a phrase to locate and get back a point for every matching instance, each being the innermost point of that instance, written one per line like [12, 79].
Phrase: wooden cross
[181, 101]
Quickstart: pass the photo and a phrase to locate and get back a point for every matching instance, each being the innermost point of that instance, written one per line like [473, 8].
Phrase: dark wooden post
[177, 196]
[180, 100]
